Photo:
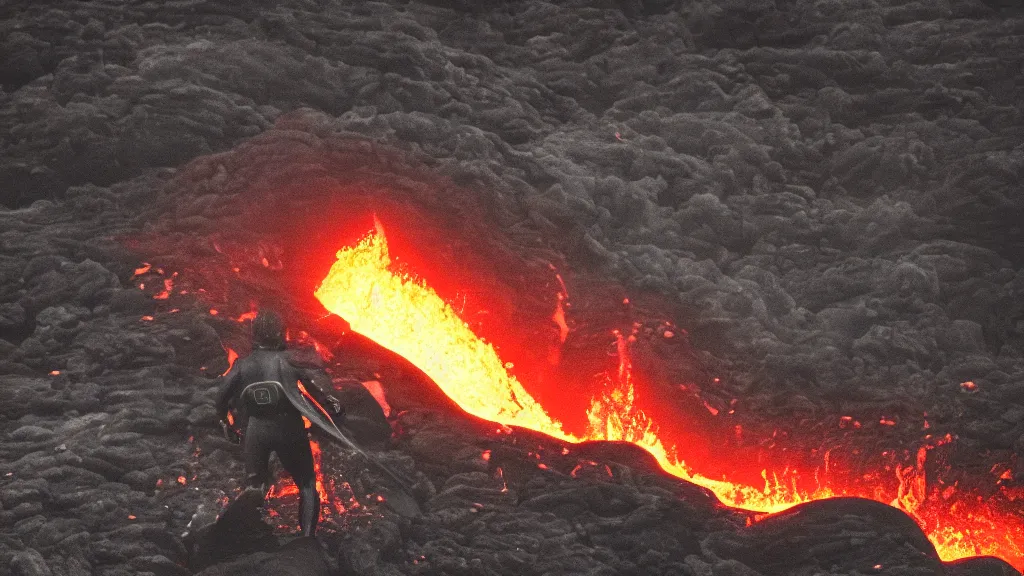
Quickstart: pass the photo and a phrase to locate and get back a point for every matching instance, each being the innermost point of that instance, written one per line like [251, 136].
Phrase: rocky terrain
[825, 196]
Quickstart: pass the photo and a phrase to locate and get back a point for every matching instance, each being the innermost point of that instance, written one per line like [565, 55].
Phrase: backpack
[263, 398]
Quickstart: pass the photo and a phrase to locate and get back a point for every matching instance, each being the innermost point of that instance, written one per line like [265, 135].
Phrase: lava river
[409, 318]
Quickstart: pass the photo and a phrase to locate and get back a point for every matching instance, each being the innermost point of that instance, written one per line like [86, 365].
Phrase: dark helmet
[268, 330]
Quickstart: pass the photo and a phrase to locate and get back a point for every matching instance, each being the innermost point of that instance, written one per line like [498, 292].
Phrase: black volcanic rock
[843, 535]
[300, 557]
[239, 529]
[982, 566]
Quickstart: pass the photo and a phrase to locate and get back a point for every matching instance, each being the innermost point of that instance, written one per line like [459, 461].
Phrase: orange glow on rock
[376, 390]
[406, 316]
[168, 288]
[232, 356]
[286, 488]
[315, 447]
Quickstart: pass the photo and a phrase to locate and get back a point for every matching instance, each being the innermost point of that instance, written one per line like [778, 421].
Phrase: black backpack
[263, 398]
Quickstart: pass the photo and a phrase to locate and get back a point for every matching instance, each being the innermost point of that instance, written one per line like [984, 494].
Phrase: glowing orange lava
[232, 356]
[409, 318]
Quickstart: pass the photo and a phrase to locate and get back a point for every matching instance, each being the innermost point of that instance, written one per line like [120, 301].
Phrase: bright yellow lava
[410, 319]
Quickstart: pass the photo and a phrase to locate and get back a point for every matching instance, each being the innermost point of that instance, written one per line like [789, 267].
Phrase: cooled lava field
[638, 287]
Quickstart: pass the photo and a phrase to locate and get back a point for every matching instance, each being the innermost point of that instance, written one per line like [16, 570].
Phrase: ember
[383, 305]
[232, 356]
[168, 287]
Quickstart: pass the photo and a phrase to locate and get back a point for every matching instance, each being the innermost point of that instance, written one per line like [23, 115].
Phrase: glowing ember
[563, 301]
[286, 487]
[409, 318]
[250, 315]
[232, 356]
[168, 288]
[315, 447]
[555, 354]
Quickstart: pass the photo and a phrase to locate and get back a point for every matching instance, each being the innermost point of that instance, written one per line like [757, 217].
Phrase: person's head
[268, 330]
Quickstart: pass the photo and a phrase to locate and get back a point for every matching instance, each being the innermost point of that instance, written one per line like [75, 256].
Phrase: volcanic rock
[300, 557]
[824, 195]
[30, 563]
[239, 529]
[983, 566]
[844, 534]
[364, 417]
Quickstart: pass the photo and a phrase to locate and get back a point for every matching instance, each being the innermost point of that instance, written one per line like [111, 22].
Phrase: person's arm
[228, 390]
[324, 399]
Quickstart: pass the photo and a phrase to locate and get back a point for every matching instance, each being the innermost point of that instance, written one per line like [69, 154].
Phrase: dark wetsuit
[280, 430]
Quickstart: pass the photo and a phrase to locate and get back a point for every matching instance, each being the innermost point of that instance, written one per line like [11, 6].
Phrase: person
[255, 387]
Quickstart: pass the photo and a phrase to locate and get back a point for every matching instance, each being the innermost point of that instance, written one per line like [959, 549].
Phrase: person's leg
[297, 459]
[258, 443]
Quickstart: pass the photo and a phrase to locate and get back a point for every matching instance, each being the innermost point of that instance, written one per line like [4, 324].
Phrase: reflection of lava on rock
[406, 316]
[284, 494]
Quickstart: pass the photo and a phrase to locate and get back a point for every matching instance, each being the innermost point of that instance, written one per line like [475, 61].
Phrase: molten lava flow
[410, 319]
